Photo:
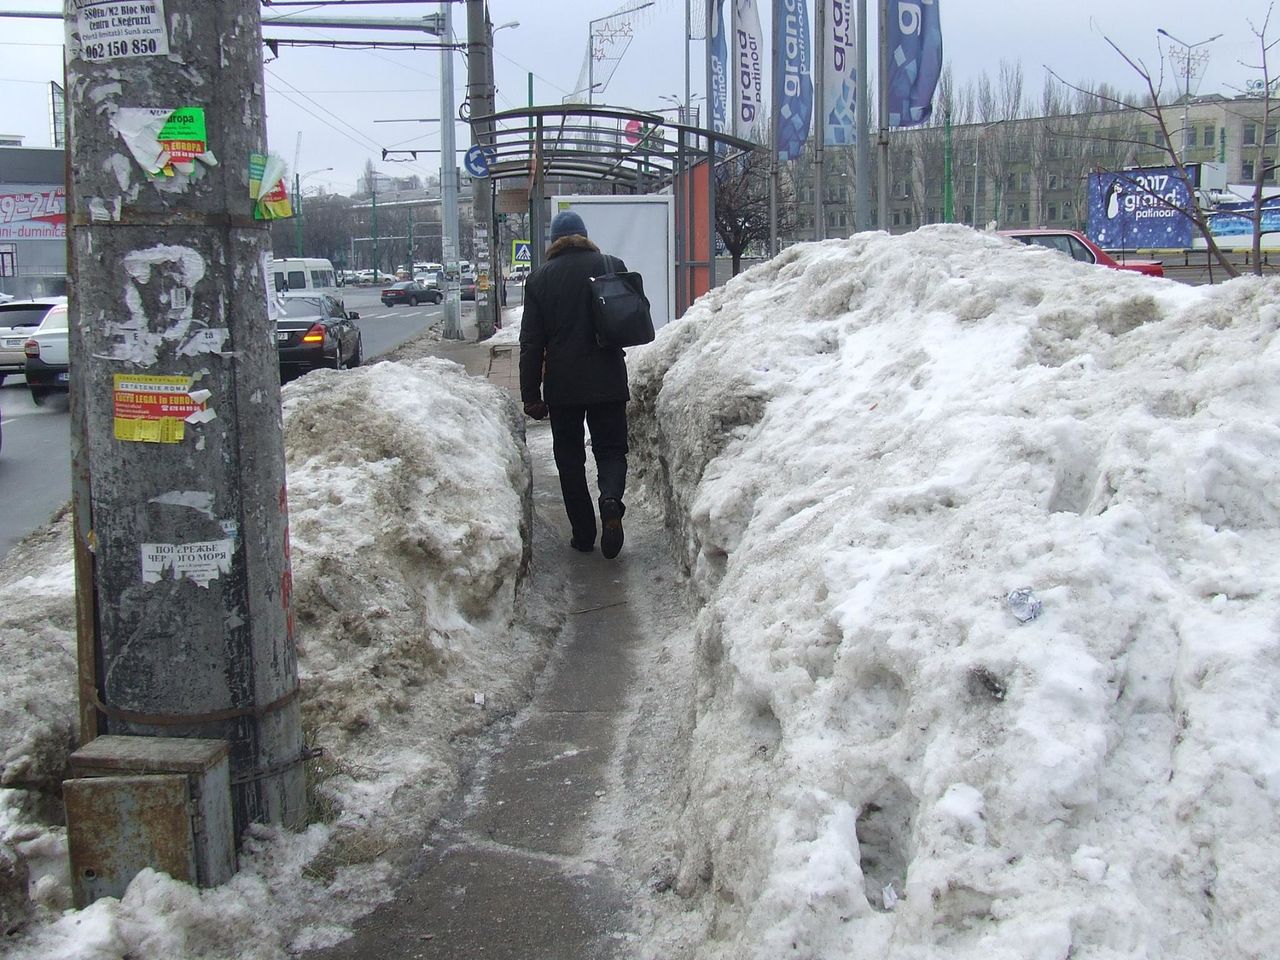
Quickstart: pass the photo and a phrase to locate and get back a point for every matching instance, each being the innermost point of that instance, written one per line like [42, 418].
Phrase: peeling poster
[201, 562]
[153, 409]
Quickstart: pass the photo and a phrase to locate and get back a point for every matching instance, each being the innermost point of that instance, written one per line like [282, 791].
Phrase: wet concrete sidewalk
[507, 871]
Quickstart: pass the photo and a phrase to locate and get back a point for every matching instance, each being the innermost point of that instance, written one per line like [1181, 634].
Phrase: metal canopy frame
[590, 142]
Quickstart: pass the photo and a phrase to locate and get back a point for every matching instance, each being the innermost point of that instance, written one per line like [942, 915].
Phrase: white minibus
[305, 273]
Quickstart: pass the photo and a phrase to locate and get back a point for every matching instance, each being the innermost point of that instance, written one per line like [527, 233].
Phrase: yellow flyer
[152, 409]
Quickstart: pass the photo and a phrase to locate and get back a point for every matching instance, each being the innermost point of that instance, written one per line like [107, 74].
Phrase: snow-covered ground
[865, 446]
[862, 448]
[409, 505]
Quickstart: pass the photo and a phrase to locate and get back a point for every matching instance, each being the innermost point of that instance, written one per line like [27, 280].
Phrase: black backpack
[619, 308]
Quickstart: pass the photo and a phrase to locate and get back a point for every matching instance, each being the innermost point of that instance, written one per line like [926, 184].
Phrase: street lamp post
[682, 106]
[297, 195]
[449, 240]
[974, 208]
[978, 135]
[1190, 69]
[480, 95]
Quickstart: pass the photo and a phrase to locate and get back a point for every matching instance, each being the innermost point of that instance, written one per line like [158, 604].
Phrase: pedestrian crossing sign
[521, 252]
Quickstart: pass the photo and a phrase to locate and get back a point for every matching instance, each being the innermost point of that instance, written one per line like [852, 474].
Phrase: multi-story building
[1035, 171]
[33, 221]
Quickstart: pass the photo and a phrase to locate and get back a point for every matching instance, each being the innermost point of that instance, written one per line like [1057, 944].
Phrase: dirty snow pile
[509, 335]
[865, 446]
[409, 513]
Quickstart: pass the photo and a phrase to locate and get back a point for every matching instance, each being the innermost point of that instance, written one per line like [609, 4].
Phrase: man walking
[564, 373]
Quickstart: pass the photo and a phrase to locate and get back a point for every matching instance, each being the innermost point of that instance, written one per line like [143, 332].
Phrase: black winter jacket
[556, 329]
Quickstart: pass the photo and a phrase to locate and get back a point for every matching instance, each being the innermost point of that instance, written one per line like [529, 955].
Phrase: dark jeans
[608, 425]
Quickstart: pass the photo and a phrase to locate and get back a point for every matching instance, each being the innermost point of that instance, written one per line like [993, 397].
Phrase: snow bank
[409, 497]
[863, 447]
[410, 506]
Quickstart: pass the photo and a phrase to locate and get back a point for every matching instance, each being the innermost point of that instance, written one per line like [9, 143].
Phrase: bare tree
[1151, 107]
[1260, 166]
[742, 204]
[368, 182]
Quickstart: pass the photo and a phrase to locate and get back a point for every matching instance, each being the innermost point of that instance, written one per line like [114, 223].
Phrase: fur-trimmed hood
[572, 242]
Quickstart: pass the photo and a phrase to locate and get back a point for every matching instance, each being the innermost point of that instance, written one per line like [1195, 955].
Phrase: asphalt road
[35, 461]
[385, 328]
[35, 442]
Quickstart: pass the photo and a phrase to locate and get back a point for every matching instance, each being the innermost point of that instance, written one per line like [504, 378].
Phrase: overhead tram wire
[274, 42]
[335, 3]
[365, 47]
[537, 76]
[370, 143]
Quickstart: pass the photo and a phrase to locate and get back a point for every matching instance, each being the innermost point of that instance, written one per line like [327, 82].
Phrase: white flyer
[201, 562]
[116, 29]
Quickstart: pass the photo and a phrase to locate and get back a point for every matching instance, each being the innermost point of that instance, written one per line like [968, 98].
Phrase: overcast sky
[333, 97]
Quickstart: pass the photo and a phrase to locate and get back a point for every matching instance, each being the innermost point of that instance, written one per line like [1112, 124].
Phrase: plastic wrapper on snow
[863, 445]
[410, 509]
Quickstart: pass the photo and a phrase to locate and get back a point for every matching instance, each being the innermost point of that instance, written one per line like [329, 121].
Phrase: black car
[313, 331]
[410, 292]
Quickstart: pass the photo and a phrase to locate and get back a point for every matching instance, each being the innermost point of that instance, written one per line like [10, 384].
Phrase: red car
[1079, 247]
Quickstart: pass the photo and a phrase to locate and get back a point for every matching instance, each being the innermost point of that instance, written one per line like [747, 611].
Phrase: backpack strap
[611, 264]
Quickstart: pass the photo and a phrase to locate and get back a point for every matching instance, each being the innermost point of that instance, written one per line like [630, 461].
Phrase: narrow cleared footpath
[525, 862]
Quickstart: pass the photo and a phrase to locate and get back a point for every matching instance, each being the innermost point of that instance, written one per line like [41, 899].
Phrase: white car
[48, 356]
[18, 320]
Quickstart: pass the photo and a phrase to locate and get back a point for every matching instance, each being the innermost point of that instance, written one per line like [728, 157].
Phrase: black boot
[611, 511]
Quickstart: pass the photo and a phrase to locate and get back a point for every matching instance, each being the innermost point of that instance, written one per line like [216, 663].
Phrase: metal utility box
[159, 802]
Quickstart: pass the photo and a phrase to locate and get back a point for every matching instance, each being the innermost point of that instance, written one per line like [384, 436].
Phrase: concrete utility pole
[182, 542]
[449, 183]
[480, 96]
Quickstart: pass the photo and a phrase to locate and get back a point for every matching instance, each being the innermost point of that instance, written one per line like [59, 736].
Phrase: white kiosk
[641, 231]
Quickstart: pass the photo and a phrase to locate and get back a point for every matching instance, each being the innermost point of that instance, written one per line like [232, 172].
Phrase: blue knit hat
[565, 224]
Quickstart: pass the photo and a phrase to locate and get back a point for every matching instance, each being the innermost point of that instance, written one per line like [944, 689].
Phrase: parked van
[304, 273]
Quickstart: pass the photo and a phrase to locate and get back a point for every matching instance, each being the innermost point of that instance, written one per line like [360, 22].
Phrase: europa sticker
[116, 29]
[155, 409]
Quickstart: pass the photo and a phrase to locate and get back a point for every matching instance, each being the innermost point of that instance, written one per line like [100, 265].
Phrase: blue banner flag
[719, 73]
[915, 60]
[840, 75]
[792, 76]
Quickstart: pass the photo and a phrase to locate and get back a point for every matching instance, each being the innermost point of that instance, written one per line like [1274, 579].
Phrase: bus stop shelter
[628, 152]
